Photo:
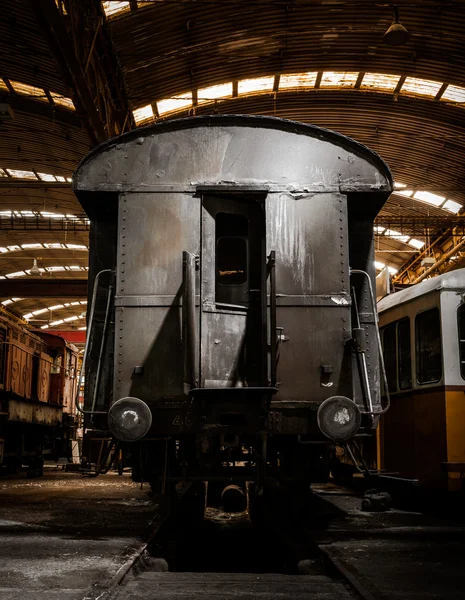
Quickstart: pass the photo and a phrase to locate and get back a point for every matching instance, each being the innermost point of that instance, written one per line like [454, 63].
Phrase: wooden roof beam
[61, 46]
[43, 288]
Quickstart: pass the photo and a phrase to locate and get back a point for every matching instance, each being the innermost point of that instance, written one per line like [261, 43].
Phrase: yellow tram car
[422, 330]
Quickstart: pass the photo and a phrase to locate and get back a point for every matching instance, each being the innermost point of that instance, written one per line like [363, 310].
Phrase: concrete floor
[397, 555]
[61, 533]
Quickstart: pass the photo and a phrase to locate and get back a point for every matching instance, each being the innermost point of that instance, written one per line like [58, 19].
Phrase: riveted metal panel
[154, 231]
[151, 338]
[309, 235]
[316, 338]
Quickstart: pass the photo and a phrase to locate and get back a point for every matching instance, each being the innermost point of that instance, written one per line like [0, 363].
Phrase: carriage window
[461, 327]
[231, 249]
[389, 347]
[428, 346]
[404, 360]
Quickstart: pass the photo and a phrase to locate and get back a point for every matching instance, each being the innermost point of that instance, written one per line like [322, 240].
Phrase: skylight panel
[428, 197]
[19, 174]
[62, 101]
[76, 247]
[50, 215]
[28, 316]
[40, 312]
[418, 244]
[2, 173]
[16, 274]
[332, 79]
[296, 80]
[3, 86]
[260, 84]
[68, 319]
[175, 103]
[379, 265]
[454, 93]
[424, 87]
[392, 270]
[30, 246]
[379, 81]
[82, 328]
[407, 193]
[53, 323]
[69, 179]
[60, 178]
[115, 7]
[46, 177]
[399, 186]
[142, 114]
[396, 235]
[54, 245]
[452, 206]
[28, 90]
[214, 92]
[54, 269]
[56, 307]
[377, 229]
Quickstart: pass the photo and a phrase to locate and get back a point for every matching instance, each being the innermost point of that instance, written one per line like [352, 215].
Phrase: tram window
[404, 360]
[461, 328]
[231, 249]
[389, 346]
[428, 346]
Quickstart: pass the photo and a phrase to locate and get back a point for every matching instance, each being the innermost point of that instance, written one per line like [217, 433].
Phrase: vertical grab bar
[378, 338]
[190, 361]
[361, 353]
[273, 344]
[102, 348]
[86, 347]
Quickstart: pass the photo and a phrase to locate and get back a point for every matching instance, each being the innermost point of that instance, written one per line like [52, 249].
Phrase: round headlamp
[338, 418]
[129, 419]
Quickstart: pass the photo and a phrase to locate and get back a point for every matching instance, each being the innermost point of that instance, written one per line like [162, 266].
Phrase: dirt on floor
[75, 504]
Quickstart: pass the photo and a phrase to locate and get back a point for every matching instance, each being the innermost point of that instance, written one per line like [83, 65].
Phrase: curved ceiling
[164, 48]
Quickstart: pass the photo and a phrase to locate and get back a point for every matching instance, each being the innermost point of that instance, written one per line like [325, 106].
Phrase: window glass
[428, 346]
[389, 338]
[404, 363]
[231, 249]
[461, 328]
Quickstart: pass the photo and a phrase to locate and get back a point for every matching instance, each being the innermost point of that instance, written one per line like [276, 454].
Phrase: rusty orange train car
[38, 382]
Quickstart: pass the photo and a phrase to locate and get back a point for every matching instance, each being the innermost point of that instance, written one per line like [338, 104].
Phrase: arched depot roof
[74, 74]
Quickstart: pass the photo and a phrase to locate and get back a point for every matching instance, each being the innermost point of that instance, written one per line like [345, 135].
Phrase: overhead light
[6, 112]
[396, 35]
[35, 269]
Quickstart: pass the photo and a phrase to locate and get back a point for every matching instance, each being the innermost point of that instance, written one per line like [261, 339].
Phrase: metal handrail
[86, 347]
[378, 338]
[273, 339]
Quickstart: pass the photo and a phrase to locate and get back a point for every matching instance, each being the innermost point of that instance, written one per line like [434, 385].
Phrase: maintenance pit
[61, 533]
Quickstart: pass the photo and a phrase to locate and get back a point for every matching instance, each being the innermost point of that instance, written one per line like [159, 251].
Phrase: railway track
[225, 557]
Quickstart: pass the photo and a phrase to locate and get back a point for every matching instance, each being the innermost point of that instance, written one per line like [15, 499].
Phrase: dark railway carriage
[233, 329]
